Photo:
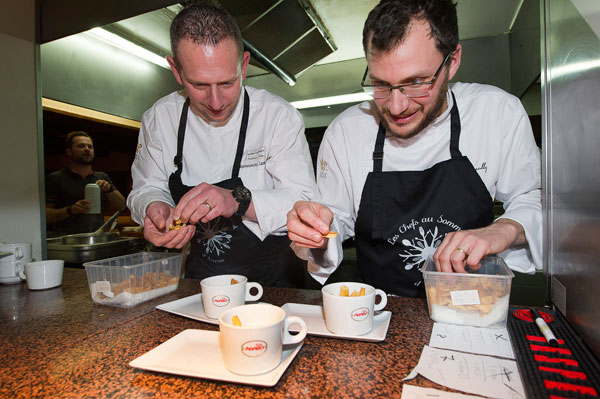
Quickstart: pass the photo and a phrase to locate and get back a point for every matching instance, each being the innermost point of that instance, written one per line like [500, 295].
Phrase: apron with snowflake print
[226, 245]
[404, 215]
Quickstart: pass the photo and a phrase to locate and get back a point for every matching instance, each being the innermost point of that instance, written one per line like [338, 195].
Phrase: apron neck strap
[378, 152]
[181, 133]
[454, 129]
[241, 139]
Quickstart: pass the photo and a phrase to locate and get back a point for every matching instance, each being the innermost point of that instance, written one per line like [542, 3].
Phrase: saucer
[190, 307]
[10, 280]
[197, 353]
[315, 322]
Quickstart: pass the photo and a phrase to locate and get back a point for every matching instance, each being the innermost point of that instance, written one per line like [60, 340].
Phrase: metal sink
[86, 252]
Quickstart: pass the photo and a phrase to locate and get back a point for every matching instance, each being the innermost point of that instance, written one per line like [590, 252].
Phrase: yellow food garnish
[236, 321]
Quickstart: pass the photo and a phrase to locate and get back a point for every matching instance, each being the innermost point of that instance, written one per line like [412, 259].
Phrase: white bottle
[92, 194]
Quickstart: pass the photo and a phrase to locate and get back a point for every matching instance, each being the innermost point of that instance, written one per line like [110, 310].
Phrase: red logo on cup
[220, 300]
[359, 314]
[254, 348]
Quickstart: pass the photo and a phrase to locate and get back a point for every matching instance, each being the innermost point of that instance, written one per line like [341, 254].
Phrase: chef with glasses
[414, 173]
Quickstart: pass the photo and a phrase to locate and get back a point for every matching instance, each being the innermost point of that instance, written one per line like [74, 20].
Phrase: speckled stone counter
[58, 343]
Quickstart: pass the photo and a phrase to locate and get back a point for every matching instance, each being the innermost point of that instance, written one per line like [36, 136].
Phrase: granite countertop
[58, 343]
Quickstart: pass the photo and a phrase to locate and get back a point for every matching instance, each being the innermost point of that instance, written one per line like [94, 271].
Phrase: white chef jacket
[496, 137]
[276, 165]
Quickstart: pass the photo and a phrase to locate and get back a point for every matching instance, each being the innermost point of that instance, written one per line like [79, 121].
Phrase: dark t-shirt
[65, 187]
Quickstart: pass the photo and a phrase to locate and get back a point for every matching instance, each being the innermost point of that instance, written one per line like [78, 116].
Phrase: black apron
[226, 245]
[404, 215]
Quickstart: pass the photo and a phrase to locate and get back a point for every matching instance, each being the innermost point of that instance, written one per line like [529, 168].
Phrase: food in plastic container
[128, 280]
[479, 298]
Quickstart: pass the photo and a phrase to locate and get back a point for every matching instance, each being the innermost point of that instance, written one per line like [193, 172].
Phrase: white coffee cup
[255, 347]
[20, 251]
[9, 270]
[350, 315]
[44, 274]
[218, 294]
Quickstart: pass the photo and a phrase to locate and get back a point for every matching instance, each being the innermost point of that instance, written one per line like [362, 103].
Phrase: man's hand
[307, 222]
[204, 203]
[81, 206]
[104, 185]
[156, 227]
[467, 247]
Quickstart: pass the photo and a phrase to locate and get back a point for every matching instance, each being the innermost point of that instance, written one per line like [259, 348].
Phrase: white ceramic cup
[11, 269]
[218, 294]
[346, 315]
[20, 251]
[256, 346]
[44, 274]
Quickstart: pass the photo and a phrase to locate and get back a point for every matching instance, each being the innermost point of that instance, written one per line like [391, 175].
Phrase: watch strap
[242, 208]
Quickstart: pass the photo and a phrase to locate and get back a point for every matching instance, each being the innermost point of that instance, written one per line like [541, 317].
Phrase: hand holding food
[158, 232]
[308, 222]
[178, 224]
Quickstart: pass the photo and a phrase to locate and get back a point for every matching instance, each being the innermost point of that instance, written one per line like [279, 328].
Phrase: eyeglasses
[410, 90]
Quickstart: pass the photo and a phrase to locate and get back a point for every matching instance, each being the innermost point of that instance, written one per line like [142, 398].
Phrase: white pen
[546, 331]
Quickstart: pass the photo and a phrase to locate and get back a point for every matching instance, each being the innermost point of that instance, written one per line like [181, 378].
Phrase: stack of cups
[12, 265]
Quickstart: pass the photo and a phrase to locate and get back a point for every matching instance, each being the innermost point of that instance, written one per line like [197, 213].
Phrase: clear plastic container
[128, 280]
[478, 298]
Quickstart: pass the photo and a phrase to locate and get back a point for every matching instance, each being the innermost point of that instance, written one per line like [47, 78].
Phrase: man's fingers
[298, 228]
[303, 242]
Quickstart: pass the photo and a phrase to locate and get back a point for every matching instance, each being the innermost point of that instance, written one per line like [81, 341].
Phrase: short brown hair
[204, 22]
[389, 23]
[72, 135]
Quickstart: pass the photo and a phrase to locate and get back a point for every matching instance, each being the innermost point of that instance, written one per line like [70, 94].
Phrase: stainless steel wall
[571, 112]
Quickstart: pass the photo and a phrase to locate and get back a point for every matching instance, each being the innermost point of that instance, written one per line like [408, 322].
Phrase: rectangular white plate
[196, 353]
[190, 306]
[315, 322]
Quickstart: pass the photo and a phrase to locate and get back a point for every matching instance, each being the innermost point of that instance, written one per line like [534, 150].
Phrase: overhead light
[128, 46]
[323, 101]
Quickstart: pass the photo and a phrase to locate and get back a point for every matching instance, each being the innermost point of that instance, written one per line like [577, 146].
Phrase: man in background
[66, 206]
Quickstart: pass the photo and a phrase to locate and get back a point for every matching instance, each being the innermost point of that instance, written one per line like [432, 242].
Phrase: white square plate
[190, 306]
[197, 353]
[315, 322]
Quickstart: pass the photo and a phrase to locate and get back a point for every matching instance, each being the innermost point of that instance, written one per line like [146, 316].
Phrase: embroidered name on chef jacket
[254, 158]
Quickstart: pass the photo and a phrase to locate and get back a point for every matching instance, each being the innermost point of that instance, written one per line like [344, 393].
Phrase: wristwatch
[243, 196]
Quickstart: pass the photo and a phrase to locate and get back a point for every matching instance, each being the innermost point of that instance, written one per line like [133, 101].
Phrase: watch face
[241, 193]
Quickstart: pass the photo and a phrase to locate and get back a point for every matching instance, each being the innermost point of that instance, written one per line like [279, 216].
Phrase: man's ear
[245, 61]
[174, 69]
[454, 63]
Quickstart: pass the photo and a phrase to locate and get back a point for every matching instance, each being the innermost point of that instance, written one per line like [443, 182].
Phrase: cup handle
[293, 339]
[21, 269]
[249, 296]
[18, 253]
[383, 298]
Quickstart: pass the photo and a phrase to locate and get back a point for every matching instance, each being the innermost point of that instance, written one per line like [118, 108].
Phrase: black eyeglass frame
[402, 86]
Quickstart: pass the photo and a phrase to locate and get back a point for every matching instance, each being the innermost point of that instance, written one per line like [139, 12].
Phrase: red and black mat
[567, 370]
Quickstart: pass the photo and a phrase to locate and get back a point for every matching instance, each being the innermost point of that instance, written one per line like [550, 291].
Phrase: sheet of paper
[415, 392]
[477, 374]
[483, 341]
